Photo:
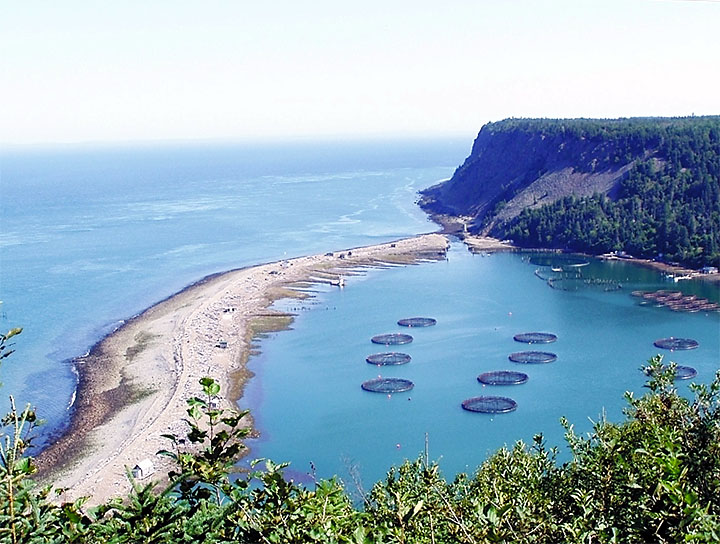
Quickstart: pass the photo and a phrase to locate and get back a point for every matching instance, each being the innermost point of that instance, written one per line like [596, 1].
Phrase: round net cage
[502, 377]
[673, 343]
[685, 372]
[392, 339]
[560, 263]
[535, 338]
[417, 322]
[388, 385]
[681, 372]
[489, 405]
[532, 357]
[390, 358]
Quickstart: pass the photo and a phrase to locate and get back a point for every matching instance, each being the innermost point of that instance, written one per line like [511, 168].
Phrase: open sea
[92, 236]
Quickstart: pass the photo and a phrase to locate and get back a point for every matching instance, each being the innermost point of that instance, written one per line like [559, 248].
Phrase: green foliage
[214, 438]
[5, 350]
[655, 478]
[668, 204]
[652, 478]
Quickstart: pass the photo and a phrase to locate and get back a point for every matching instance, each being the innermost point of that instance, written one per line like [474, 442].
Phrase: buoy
[397, 445]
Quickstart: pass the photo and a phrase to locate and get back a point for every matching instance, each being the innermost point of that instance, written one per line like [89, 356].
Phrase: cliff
[599, 171]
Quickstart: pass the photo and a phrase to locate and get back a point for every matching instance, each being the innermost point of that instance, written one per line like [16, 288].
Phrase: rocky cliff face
[516, 164]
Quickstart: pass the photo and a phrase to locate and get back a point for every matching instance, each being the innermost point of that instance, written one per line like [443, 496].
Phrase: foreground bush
[652, 478]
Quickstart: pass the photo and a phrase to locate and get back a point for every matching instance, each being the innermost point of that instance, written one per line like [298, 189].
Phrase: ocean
[92, 236]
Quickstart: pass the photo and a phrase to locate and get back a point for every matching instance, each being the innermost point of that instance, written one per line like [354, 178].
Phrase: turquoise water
[92, 236]
[309, 406]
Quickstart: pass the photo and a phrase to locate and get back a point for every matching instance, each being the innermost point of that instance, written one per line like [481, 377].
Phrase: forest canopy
[667, 206]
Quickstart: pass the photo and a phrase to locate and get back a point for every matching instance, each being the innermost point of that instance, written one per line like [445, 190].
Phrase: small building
[143, 469]
[709, 270]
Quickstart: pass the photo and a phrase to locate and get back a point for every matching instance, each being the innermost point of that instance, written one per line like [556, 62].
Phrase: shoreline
[480, 244]
[133, 383]
[454, 225]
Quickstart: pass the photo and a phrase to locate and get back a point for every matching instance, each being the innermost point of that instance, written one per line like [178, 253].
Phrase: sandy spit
[133, 384]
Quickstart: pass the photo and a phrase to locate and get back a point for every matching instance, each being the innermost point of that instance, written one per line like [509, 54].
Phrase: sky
[106, 71]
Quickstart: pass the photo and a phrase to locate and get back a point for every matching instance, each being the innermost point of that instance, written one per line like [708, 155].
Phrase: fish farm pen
[489, 405]
[681, 372]
[673, 343]
[502, 377]
[685, 372]
[388, 385]
[559, 263]
[417, 322]
[535, 338]
[532, 357]
[388, 358]
[676, 301]
[392, 339]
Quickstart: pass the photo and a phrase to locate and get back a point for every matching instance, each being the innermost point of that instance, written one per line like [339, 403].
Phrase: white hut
[143, 469]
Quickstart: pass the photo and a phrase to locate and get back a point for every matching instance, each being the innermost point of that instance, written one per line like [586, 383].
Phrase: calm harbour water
[91, 237]
[307, 398]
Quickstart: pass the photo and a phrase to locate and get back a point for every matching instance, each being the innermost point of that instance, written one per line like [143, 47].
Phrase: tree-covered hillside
[647, 186]
[669, 203]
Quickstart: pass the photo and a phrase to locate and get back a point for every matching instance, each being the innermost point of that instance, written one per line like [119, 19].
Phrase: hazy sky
[98, 70]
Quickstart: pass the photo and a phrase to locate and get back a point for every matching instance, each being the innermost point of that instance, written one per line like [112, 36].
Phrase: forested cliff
[647, 186]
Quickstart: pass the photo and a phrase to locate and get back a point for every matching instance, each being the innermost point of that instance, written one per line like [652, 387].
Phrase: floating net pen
[535, 338]
[392, 339]
[685, 372]
[388, 385]
[502, 377]
[489, 405]
[417, 322]
[673, 343]
[532, 357]
[389, 358]
[681, 372]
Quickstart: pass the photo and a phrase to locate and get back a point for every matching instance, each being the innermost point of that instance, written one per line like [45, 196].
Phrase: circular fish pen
[559, 263]
[489, 405]
[389, 358]
[417, 322]
[532, 357]
[394, 338]
[673, 343]
[681, 372]
[535, 338]
[387, 385]
[685, 372]
[502, 377]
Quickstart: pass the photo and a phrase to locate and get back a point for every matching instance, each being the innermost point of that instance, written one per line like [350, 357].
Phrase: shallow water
[306, 396]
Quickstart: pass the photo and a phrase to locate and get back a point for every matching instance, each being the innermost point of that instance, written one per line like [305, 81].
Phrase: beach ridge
[133, 384]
